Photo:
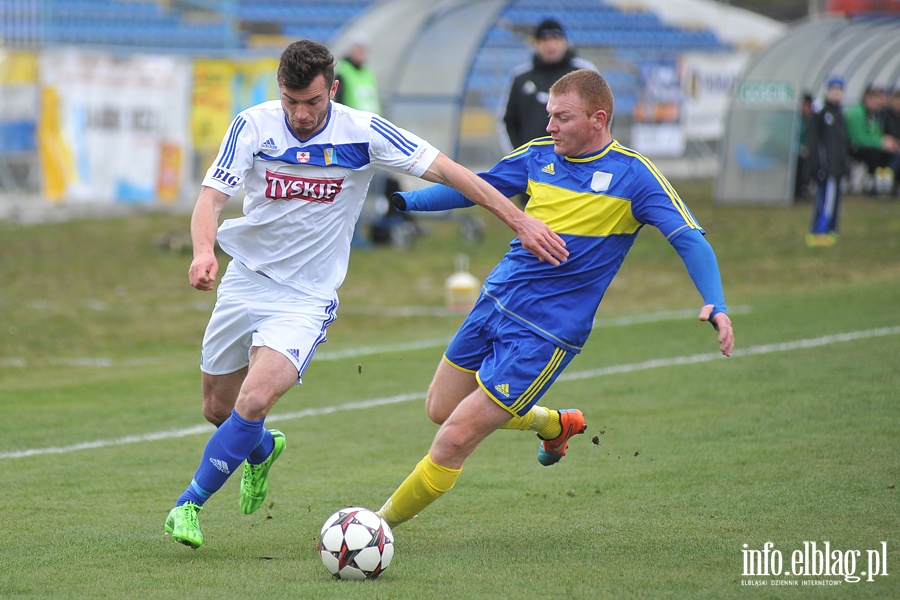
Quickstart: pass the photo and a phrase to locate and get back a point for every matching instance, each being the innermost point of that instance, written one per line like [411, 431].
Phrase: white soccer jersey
[303, 197]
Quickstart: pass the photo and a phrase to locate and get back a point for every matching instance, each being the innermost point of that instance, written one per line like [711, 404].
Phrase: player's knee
[436, 416]
[218, 399]
[254, 404]
[451, 444]
[436, 410]
[215, 413]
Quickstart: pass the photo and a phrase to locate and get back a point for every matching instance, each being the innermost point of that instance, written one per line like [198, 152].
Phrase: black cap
[549, 28]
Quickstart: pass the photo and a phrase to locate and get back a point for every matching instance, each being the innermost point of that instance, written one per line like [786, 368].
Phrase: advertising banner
[113, 129]
[222, 89]
[657, 131]
[708, 81]
[18, 101]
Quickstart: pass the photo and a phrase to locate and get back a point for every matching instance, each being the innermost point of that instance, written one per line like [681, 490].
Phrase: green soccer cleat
[551, 452]
[183, 525]
[255, 482]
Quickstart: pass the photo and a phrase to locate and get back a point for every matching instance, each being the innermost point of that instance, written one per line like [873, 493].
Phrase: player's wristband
[398, 201]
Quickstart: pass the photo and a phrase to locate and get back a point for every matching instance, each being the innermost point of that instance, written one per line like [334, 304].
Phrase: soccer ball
[355, 543]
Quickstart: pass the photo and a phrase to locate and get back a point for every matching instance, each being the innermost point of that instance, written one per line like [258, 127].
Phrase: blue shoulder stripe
[228, 153]
[393, 136]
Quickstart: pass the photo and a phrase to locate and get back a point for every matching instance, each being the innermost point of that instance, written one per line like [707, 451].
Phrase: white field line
[751, 351]
[205, 428]
[311, 412]
[321, 355]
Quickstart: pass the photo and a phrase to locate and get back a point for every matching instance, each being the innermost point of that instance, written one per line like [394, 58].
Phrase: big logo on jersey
[280, 186]
[227, 178]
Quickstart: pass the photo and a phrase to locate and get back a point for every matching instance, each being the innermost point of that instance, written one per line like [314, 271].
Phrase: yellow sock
[535, 420]
[428, 482]
[552, 428]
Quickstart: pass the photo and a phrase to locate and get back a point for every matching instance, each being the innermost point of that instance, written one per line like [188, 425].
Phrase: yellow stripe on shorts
[558, 355]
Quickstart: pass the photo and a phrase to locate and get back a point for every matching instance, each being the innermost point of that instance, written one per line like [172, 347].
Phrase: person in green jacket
[868, 142]
[358, 88]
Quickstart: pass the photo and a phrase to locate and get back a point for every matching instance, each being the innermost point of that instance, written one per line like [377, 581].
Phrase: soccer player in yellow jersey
[533, 317]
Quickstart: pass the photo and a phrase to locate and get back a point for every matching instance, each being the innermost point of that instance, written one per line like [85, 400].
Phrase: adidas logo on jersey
[503, 388]
[294, 353]
[269, 144]
[220, 465]
[549, 169]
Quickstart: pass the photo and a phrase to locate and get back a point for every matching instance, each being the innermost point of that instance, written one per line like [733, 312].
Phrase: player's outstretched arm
[703, 268]
[204, 225]
[534, 235]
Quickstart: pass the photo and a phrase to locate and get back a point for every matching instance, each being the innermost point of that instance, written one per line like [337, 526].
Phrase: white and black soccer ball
[355, 543]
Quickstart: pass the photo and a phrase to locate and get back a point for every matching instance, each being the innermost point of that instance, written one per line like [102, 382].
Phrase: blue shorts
[513, 365]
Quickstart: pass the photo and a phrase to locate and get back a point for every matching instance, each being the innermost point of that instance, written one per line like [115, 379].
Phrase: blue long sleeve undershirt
[434, 198]
[702, 266]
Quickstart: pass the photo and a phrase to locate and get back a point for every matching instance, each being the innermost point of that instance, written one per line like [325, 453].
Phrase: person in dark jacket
[828, 162]
[802, 179]
[892, 115]
[525, 113]
[892, 125]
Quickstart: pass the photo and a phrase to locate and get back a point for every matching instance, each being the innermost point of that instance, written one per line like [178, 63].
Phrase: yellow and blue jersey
[597, 204]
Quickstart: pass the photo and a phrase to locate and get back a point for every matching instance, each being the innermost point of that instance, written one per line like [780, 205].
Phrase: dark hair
[549, 28]
[590, 87]
[303, 61]
[872, 89]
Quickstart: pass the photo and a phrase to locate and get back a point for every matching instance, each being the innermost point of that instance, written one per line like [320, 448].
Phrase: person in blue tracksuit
[828, 162]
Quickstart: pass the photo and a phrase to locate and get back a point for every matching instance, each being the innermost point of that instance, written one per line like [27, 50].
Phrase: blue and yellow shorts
[514, 365]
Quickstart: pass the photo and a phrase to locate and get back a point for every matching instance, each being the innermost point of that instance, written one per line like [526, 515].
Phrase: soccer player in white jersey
[305, 163]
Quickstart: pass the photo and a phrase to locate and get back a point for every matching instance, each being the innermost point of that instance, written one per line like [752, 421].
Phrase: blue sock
[226, 449]
[263, 450]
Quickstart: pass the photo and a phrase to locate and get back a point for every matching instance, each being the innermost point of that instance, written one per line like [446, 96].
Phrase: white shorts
[253, 310]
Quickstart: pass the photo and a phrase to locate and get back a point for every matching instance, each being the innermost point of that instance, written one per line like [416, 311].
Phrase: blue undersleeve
[702, 266]
[435, 198]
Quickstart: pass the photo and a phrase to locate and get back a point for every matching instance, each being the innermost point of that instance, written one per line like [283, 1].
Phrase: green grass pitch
[691, 462]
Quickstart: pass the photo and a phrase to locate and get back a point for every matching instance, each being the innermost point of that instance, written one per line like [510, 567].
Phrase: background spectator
[868, 142]
[828, 164]
[803, 180]
[525, 109]
[892, 115]
[359, 87]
